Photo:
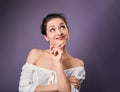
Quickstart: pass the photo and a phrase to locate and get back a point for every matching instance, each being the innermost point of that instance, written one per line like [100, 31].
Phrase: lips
[60, 37]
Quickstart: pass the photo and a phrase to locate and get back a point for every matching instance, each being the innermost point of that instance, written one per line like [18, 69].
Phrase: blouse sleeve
[80, 75]
[26, 83]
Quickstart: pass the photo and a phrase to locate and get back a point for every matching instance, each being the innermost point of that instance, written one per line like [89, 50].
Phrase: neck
[65, 53]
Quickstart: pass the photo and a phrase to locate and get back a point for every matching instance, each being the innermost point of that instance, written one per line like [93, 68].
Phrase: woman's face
[57, 32]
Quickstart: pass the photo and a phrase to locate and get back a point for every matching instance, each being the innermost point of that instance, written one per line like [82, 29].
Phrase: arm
[47, 88]
[79, 74]
[74, 81]
[62, 81]
[27, 82]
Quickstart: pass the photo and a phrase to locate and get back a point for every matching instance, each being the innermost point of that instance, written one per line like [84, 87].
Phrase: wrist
[57, 65]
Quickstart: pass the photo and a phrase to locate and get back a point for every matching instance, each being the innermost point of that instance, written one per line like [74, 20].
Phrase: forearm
[63, 83]
[47, 88]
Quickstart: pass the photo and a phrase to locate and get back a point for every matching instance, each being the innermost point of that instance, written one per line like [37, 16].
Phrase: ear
[46, 38]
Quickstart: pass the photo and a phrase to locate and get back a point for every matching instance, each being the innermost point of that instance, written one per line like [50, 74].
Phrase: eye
[52, 30]
[62, 27]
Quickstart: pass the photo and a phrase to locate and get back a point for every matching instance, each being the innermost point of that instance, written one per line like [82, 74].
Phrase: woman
[53, 69]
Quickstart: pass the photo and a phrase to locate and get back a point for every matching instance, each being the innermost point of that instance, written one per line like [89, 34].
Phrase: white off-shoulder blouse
[32, 76]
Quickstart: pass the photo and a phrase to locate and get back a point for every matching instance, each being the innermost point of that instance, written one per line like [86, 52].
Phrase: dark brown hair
[48, 18]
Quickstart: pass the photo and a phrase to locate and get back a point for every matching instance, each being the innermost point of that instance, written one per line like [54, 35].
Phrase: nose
[59, 32]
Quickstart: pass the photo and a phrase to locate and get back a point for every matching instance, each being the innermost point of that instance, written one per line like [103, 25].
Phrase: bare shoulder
[33, 55]
[77, 62]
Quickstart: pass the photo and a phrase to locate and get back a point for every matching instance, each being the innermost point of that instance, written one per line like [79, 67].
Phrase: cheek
[50, 36]
[52, 39]
[67, 35]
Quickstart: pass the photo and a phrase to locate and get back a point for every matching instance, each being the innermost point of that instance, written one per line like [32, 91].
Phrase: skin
[56, 58]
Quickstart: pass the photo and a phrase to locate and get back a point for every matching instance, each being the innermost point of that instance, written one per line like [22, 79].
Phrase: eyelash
[61, 27]
[51, 30]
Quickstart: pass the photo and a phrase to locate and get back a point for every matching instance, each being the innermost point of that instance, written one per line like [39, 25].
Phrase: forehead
[55, 21]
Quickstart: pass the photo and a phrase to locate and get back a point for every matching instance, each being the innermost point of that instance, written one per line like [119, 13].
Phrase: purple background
[94, 31]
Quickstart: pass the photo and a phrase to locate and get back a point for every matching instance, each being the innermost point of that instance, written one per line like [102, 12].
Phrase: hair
[48, 18]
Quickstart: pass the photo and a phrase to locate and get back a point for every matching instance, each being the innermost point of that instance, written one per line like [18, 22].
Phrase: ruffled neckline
[38, 67]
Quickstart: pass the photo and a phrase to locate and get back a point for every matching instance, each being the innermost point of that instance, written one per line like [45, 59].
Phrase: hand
[56, 53]
[74, 81]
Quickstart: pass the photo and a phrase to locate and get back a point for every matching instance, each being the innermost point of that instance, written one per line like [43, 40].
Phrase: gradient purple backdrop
[94, 31]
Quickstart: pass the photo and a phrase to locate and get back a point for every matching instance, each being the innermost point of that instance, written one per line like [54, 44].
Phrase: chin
[62, 42]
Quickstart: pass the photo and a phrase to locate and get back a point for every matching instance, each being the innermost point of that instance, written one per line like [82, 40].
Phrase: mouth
[60, 37]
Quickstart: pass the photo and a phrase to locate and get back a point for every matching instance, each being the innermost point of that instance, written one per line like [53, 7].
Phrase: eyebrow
[51, 26]
[54, 26]
[62, 23]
